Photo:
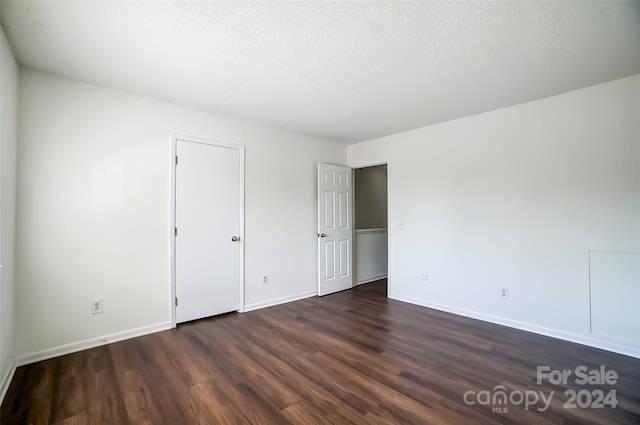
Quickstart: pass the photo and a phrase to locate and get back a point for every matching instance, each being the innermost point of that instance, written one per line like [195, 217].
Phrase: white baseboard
[373, 279]
[541, 330]
[281, 300]
[6, 380]
[89, 343]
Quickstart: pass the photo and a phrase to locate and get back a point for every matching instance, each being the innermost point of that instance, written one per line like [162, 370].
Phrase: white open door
[335, 228]
[208, 221]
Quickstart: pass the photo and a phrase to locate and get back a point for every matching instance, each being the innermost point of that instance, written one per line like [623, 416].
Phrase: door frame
[354, 168]
[172, 221]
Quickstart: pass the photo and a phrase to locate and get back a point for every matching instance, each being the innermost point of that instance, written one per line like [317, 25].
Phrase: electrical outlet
[424, 276]
[95, 306]
[265, 279]
[504, 293]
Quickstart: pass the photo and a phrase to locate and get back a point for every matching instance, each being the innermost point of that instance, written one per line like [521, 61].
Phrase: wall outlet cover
[95, 306]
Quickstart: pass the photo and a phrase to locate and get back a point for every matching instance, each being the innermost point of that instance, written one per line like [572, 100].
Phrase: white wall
[614, 279]
[371, 255]
[514, 198]
[8, 124]
[84, 232]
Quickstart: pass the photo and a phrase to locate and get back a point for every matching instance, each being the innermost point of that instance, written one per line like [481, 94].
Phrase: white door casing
[335, 228]
[208, 214]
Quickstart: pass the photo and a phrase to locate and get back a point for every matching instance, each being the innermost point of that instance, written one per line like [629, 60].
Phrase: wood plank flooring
[350, 358]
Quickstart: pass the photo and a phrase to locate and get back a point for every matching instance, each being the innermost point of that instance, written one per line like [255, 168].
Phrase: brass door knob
[234, 239]
[322, 235]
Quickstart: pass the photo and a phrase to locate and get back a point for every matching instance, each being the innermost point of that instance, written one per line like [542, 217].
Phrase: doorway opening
[371, 234]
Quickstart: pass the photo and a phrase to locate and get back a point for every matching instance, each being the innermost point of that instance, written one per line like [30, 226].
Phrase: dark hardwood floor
[350, 358]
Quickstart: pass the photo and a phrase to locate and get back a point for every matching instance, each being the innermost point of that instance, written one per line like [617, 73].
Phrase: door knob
[234, 239]
[322, 235]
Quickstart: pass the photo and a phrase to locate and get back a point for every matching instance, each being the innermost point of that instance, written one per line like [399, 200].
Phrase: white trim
[172, 236]
[378, 230]
[6, 380]
[373, 279]
[369, 165]
[89, 343]
[615, 252]
[172, 222]
[541, 330]
[281, 300]
[614, 340]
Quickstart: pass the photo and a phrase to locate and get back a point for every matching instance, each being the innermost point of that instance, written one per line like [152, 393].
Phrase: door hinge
[175, 231]
[176, 301]
[176, 159]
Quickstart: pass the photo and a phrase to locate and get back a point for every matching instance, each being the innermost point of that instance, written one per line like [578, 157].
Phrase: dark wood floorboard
[354, 357]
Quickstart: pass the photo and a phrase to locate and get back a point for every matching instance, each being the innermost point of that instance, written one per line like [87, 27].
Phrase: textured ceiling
[347, 71]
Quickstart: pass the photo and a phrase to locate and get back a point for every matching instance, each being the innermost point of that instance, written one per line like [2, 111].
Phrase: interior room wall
[8, 124]
[371, 197]
[515, 198]
[94, 209]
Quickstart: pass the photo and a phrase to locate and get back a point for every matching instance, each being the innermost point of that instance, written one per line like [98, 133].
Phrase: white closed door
[208, 246]
[335, 228]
